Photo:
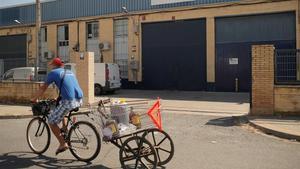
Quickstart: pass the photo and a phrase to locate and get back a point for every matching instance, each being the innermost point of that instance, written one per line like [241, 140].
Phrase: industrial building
[193, 45]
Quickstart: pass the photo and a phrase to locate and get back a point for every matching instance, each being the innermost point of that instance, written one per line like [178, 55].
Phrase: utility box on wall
[134, 65]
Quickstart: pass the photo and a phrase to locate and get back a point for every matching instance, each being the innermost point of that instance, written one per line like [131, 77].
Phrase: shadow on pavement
[239, 98]
[228, 121]
[28, 159]
[224, 122]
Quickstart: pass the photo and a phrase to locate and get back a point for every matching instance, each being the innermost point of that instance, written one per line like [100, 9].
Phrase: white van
[107, 77]
[23, 74]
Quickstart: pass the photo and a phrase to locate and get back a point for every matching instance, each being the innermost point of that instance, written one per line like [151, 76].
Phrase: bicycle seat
[74, 110]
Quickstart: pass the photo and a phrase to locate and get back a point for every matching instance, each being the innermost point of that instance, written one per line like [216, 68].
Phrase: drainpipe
[38, 38]
[77, 45]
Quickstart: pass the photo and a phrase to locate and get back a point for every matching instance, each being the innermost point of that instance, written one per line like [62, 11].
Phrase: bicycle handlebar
[105, 101]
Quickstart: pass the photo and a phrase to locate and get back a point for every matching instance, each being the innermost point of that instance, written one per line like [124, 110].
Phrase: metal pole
[236, 85]
[38, 37]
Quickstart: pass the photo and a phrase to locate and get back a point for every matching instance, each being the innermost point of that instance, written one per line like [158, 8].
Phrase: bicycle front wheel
[84, 141]
[38, 135]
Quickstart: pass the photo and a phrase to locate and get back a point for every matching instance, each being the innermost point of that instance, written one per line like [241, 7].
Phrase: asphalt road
[201, 142]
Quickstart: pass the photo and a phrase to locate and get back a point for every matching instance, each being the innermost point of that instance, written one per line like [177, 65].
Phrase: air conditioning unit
[104, 46]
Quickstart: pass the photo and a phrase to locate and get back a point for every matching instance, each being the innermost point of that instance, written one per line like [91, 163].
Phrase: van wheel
[111, 92]
[98, 89]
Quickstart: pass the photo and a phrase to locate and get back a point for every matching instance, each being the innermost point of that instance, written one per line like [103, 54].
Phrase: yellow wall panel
[52, 38]
[106, 34]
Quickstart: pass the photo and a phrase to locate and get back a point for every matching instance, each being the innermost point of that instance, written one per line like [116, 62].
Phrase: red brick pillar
[262, 80]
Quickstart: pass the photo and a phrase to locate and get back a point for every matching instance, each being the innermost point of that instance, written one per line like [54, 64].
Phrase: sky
[7, 3]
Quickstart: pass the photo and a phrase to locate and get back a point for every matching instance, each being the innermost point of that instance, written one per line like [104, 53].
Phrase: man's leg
[64, 124]
[56, 131]
[55, 117]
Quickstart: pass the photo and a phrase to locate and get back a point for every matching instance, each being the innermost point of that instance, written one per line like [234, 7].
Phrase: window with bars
[44, 53]
[92, 40]
[44, 34]
[121, 46]
[63, 35]
[92, 30]
[287, 66]
[63, 42]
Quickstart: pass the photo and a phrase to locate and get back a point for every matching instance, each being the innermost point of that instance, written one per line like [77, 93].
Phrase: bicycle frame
[36, 134]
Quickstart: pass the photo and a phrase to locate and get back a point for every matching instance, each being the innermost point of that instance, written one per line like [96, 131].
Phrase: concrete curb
[15, 116]
[274, 132]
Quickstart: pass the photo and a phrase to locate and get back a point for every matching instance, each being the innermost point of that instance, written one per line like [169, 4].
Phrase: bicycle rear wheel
[84, 141]
[38, 135]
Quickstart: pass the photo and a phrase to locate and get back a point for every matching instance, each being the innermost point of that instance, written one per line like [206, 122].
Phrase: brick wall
[262, 80]
[22, 92]
[287, 100]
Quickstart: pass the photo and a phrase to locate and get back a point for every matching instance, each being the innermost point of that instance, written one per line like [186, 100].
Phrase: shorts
[57, 114]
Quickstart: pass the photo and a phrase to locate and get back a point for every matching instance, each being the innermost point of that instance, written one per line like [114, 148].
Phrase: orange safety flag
[154, 113]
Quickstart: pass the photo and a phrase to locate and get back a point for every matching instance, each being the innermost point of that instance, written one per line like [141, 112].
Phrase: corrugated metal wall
[68, 9]
[234, 38]
[174, 59]
[256, 28]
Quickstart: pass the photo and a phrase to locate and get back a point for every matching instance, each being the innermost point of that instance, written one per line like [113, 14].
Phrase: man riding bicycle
[70, 98]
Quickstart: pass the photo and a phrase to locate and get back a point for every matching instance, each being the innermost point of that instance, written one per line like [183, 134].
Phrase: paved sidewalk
[288, 127]
[14, 111]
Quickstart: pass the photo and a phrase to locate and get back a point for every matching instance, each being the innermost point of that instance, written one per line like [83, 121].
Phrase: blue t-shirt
[70, 88]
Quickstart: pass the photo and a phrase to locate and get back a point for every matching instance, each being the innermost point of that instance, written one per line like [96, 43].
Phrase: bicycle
[81, 136]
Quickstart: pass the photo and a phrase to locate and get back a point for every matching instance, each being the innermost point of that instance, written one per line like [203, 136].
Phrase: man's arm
[40, 92]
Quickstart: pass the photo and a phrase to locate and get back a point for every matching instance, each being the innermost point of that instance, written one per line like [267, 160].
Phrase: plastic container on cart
[135, 118]
[111, 129]
[120, 112]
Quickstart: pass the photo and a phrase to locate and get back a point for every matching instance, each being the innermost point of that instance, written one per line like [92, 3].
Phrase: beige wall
[106, 34]
[22, 92]
[106, 29]
[134, 46]
[73, 35]
[52, 38]
[82, 36]
[287, 100]
[210, 40]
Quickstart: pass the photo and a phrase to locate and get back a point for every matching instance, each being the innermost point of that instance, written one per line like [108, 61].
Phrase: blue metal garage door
[174, 55]
[236, 35]
[13, 51]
